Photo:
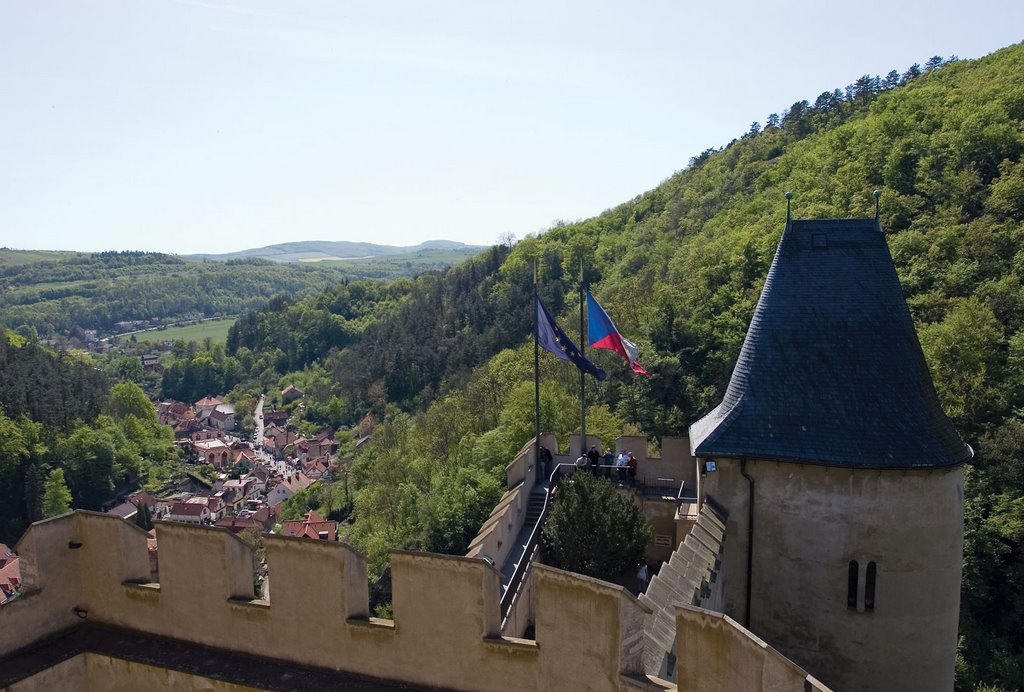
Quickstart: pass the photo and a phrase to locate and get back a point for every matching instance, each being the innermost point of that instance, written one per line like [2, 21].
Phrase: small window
[851, 585]
[869, 587]
[819, 240]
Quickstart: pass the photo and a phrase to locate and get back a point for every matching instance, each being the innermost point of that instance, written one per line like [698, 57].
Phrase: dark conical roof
[831, 371]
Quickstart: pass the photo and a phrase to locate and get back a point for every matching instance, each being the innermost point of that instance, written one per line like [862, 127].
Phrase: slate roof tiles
[831, 371]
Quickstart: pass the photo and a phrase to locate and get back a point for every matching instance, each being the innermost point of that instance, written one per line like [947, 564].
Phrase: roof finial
[878, 207]
[789, 198]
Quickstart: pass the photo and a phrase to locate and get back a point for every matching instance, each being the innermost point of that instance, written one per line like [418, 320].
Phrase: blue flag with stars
[551, 338]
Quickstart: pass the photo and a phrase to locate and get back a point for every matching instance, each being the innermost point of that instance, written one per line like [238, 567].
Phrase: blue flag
[551, 338]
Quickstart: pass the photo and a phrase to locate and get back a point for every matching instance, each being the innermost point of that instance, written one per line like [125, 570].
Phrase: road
[257, 417]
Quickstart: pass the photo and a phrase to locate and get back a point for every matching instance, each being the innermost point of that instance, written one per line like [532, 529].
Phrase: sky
[191, 126]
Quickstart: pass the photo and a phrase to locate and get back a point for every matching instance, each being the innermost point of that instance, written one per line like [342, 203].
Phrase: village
[254, 476]
[254, 479]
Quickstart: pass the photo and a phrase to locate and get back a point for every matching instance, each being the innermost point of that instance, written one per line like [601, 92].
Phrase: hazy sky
[217, 125]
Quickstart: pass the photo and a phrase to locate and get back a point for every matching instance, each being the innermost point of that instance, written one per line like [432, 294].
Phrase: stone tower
[841, 474]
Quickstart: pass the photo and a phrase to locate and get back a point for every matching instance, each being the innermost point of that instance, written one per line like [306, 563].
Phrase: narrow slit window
[869, 586]
[851, 585]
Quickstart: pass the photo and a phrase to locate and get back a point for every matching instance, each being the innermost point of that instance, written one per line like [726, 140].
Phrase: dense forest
[445, 362]
[61, 422]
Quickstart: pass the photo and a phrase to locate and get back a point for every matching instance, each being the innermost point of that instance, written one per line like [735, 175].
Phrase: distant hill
[319, 250]
[51, 291]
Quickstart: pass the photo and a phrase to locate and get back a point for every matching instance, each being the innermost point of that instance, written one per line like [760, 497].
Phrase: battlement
[92, 567]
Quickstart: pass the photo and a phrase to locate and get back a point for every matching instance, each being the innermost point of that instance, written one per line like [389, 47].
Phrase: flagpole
[583, 351]
[536, 373]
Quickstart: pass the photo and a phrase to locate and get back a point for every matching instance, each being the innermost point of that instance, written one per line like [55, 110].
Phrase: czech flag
[602, 333]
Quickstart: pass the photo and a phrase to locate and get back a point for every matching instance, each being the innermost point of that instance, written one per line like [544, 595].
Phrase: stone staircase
[691, 576]
[534, 506]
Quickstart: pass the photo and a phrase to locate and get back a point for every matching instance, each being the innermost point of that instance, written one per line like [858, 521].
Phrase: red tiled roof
[143, 497]
[238, 524]
[10, 572]
[188, 509]
[310, 526]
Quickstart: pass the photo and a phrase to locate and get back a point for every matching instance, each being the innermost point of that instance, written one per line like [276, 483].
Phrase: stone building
[841, 475]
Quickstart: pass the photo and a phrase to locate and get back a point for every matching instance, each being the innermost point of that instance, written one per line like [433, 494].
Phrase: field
[217, 330]
[19, 258]
[403, 265]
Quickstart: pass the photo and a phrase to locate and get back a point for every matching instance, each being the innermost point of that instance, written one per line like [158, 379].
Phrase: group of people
[624, 465]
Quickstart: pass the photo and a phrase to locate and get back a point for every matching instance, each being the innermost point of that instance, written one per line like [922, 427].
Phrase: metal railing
[515, 583]
[665, 487]
[522, 570]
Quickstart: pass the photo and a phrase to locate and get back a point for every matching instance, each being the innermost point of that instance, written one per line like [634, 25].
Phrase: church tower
[842, 476]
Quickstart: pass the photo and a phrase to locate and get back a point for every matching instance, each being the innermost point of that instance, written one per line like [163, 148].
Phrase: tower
[841, 474]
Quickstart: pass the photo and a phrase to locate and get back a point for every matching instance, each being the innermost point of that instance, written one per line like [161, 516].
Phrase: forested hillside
[96, 291]
[62, 424]
[448, 367]
[51, 292]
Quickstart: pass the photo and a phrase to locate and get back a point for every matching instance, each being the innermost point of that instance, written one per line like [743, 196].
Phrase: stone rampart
[722, 656]
[445, 632]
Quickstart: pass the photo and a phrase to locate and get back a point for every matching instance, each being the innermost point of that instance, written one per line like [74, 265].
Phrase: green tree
[456, 507]
[96, 457]
[129, 368]
[962, 351]
[143, 519]
[21, 453]
[128, 399]
[56, 496]
[594, 530]
[33, 493]
[990, 622]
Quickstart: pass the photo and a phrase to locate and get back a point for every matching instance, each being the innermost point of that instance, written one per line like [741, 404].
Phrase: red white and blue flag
[602, 333]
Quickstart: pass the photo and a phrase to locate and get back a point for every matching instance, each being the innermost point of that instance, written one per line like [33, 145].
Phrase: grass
[404, 265]
[18, 258]
[217, 330]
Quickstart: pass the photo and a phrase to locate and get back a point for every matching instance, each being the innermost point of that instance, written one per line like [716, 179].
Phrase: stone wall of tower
[810, 522]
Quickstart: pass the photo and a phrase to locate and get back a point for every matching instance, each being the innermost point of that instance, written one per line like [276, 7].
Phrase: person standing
[545, 463]
[631, 465]
[594, 460]
[620, 466]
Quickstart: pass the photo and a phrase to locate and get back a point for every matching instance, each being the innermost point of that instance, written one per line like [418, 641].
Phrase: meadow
[216, 330]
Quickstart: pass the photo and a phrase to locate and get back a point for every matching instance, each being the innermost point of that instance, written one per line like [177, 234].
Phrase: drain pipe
[750, 536]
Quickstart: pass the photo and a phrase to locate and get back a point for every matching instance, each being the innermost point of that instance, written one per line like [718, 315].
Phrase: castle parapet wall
[718, 655]
[446, 630]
